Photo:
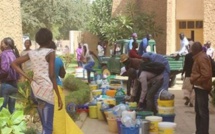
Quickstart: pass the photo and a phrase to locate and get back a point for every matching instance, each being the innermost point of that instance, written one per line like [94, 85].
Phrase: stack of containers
[166, 108]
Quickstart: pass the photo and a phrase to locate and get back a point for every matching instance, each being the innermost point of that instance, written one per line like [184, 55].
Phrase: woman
[8, 75]
[88, 59]
[27, 65]
[44, 79]
[78, 54]
[61, 118]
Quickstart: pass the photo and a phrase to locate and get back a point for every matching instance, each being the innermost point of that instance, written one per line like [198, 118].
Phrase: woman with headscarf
[87, 59]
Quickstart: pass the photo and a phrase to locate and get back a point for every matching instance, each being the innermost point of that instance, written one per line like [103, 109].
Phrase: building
[10, 21]
[194, 18]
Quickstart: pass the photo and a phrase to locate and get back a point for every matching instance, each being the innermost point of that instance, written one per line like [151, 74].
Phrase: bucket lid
[166, 125]
[154, 118]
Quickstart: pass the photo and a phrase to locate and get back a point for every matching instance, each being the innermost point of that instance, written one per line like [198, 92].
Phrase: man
[150, 83]
[160, 59]
[144, 44]
[210, 50]
[201, 79]
[130, 63]
[184, 44]
[129, 46]
[187, 86]
[133, 53]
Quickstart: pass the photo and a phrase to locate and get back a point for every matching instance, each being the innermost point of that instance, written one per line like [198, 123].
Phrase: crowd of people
[47, 70]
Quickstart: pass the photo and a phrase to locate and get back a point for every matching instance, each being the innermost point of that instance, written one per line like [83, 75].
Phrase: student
[8, 75]
[27, 65]
[61, 117]
[44, 79]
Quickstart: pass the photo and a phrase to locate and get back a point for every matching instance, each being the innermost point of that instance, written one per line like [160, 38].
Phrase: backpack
[153, 67]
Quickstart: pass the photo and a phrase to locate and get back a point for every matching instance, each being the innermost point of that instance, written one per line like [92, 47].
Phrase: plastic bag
[165, 95]
[117, 110]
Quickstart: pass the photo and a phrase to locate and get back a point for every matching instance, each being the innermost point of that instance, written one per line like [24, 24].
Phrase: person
[27, 65]
[146, 78]
[66, 50]
[133, 53]
[184, 44]
[144, 44]
[8, 76]
[160, 59]
[201, 79]
[100, 50]
[87, 58]
[210, 50]
[129, 46]
[79, 51]
[61, 118]
[187, 86]
[44, 79]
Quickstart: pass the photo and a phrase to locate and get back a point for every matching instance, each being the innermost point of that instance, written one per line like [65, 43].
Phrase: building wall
[209, 21]
[10, 21]
[189, 10]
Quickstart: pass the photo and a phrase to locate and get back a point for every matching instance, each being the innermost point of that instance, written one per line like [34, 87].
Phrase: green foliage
[80, 91]
[58, 15]
[12, 123]
[67, 59]
[31, 131]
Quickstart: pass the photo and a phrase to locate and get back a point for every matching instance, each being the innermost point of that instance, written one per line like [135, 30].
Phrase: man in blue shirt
[129, 46]
[144, 44]
[161, 59]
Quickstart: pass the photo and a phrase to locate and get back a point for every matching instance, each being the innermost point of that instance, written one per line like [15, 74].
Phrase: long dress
[63, 124]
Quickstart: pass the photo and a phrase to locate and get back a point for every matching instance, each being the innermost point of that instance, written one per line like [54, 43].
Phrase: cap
[123, 57]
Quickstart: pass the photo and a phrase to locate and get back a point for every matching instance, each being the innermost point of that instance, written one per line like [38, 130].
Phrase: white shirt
[210, 52]
[100, 50]
[184, 44]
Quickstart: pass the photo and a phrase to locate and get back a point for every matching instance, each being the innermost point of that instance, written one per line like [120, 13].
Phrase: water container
[111, 93]
[132, 114]
[129, 130]
[119, 123]
[93, 112]
[100, 116]
[166, 127]
[166, 110]
[112, 125]
[120, 92]
[154, 120]
[145, 127]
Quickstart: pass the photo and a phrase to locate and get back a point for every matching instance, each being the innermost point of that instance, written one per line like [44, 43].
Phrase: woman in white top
[87, 58]
[26, 67]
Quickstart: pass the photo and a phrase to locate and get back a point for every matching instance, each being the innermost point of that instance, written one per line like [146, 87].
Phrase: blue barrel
[167, 118]
[129, 130]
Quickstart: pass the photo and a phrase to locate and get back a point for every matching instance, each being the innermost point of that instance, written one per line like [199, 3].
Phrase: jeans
[164, 86]
[202, 111]
[46, 114]
[89, 68]
[80, 64]
[8, 90]
[153, 88]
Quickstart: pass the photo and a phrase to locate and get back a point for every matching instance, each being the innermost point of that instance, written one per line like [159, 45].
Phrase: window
[182, 25]
[190, 24]
[199, 24]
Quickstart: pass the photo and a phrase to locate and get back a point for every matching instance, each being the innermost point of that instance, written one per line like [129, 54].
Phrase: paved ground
[185, 117]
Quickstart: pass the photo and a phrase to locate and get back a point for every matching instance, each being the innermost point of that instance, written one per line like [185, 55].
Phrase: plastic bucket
[93, 86]
[145, 127]
[129, 130]
[132, 104]
[165, 103]
[167, 118]
[143, 114]
[166, 110]
[154, 120]
[100, 116]
[166, 128]
[110, 101]
[120, 99]
[93, 112]
[119, 123]
[96, 92]
[111, 93]
[103, 113]
[112, 125]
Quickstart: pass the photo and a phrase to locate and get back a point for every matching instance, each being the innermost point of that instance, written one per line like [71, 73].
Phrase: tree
[58, 15]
